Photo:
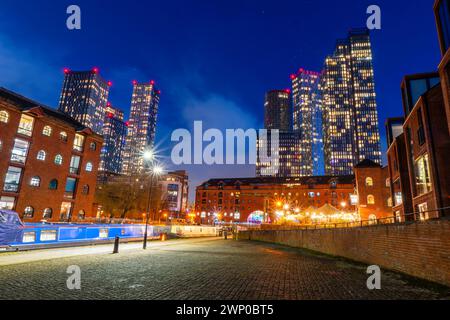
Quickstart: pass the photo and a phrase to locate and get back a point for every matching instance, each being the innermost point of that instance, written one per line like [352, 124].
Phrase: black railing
[401, 219]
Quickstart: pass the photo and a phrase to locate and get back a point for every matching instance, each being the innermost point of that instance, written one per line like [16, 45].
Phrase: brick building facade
[49, 162]
[418, 155]
[235, 200]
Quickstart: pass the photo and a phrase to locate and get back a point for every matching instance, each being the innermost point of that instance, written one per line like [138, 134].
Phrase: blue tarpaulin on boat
[11, 227]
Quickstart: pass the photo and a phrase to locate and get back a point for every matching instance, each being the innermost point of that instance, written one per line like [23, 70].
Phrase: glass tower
[350, 117]
[114, 134]
[307, 104]
[84, 96]
[141, 126]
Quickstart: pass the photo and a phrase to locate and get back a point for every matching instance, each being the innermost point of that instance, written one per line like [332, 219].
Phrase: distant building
[373, 190]
[241, 200]
[175, 192]
[141, 126]
[400, 184]
[278, 110]
[418, 154]
[350, 117]
[307, 120]
[49, 162]
[84, 96]
[114, 133]
[286, 159]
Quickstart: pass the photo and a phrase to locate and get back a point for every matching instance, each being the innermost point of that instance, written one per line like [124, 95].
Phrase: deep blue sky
[213, 60]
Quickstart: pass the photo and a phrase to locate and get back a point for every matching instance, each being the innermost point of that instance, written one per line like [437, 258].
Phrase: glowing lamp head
[149, 155]
[152, 82]
[286, 207]
[293, 76]
[279, 204]
[134, 82]
[288, 91]
[157, 170]
[95, 70]
[66, 70]
[110, 83]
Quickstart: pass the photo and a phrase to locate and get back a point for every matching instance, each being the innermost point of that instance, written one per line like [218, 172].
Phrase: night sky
[213, 60]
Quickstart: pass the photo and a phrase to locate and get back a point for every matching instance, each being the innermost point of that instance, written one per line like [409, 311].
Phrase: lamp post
[155, 170]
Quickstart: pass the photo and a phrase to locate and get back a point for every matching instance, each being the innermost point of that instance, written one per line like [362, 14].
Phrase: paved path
[198, 269]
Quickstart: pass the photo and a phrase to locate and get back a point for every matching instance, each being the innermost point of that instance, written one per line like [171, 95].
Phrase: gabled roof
[367, 164]
[30, 106]
[276, 180]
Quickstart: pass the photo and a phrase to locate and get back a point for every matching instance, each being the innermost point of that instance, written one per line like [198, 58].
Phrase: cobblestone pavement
[211, 269]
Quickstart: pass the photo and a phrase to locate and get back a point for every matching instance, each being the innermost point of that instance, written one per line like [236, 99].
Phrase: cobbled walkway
[216, 269]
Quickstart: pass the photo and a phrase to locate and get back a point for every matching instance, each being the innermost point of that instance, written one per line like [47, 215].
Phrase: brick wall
[418, 249]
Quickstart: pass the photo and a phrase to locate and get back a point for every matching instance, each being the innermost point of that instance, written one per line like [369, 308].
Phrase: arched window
[389, 202]
[53, 184]
[369, 182]
[35, 182]
[81, 215]
[63, 136]
[4, 116]
[85, 189]
[93, 146]
[28, 213]
[388, 183]
[41, 155]
[372, 219]
[370, 199]
[47, 131]
[58, 159]
[89, 167]
[48, 213]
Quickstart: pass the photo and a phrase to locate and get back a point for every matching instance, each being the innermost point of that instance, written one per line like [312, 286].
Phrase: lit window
[369, 182]
[63, 136]
[370, 199]
[41, 155]
[28, 212]
[35, 182]
[89, 167]
[93, 146]
[20, 151]
[26, 125]
[47, 131]
[12, 179]
[4, 116]
[423, 181]
[78, 142]
[58, 159]
[48, 213]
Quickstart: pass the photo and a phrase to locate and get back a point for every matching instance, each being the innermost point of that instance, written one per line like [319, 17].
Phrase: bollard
[116, 245]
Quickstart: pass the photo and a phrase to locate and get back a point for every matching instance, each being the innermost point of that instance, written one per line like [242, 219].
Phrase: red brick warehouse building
[49, 162]
[235, 200]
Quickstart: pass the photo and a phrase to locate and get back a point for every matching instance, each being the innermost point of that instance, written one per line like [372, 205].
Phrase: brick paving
[211, 269]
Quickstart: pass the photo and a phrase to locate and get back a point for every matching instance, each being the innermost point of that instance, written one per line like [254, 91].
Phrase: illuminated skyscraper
[114, 135]
[84, 96]
[307, 104]
[278, 110]
[278, 116]
[141, 126]
[350, 117]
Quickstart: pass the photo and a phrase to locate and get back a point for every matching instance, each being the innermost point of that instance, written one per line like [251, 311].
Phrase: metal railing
[392, 220]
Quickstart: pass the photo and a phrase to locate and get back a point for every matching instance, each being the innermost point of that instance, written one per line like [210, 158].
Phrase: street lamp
[155, 170]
